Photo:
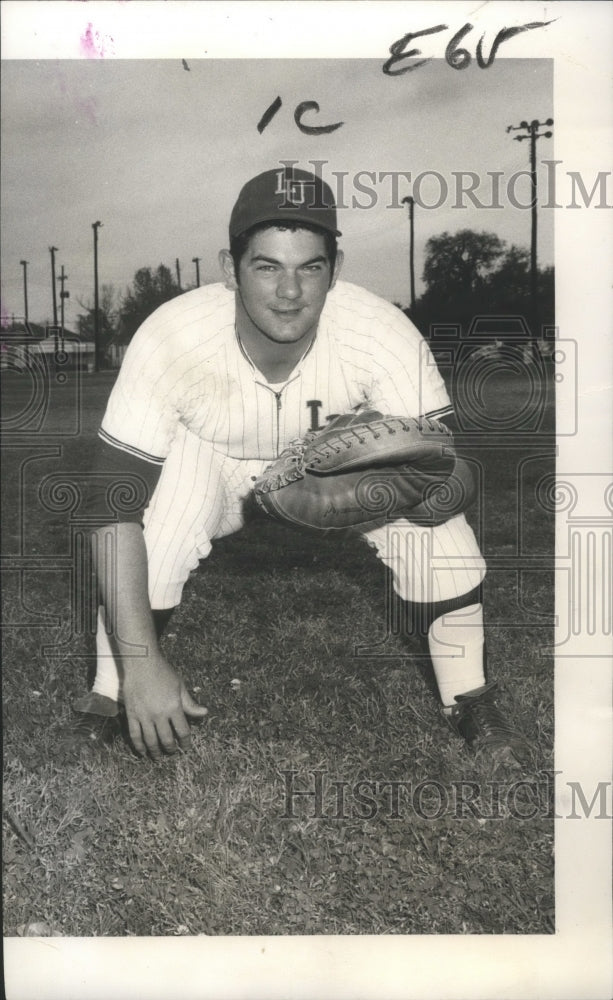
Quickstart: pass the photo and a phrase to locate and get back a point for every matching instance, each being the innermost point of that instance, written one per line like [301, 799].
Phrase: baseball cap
[285, 194]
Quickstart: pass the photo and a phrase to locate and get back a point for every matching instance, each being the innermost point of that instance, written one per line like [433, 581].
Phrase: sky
[158, 153]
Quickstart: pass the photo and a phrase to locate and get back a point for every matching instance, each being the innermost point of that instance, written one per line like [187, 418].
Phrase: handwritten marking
[312, 129]
[397, 51]
[301, 110]
[457, 58]
[269, 114]
[503, 36]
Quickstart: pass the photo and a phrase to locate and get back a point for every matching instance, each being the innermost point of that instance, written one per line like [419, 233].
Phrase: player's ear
[338, 263]
[228, 270]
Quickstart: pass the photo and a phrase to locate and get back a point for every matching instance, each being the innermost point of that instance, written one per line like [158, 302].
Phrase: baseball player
[214, 385]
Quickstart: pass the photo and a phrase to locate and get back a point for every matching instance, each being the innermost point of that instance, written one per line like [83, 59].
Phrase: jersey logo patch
[314, 406]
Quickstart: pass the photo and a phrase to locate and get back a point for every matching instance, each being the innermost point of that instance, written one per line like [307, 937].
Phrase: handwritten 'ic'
[300, 111]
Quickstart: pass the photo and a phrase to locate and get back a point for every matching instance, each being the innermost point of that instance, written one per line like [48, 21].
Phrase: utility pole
[411, 203]
[178, 266]
[531, 132]
[53, 251]
[63, 295]
[196, 261]
[24, 264]
[95, 227]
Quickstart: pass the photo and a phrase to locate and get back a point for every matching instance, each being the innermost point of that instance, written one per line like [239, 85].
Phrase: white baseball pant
[200, 497]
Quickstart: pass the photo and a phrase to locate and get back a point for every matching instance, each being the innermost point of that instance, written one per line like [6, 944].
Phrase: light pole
[196, 261]
[532, 133]
[24, 264]
[95, 227]
[53, 251]
[63, 296]
[178, 267]
[411, 203]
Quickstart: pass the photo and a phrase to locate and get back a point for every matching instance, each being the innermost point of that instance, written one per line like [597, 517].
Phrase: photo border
[576, 961]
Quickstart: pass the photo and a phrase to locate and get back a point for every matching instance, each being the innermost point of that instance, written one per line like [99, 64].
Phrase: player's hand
[157, 703]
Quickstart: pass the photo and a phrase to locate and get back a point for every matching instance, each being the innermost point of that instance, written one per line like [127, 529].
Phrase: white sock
[456, 642]
[107, 676]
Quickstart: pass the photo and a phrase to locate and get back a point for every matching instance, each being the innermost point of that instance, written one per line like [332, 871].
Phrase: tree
[511, 279]
[470, 274]
[149, 290]
[508, 289]
[108, 316]
[459, 264]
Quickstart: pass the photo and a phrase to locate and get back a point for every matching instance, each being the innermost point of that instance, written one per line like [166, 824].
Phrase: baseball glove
[365, 467]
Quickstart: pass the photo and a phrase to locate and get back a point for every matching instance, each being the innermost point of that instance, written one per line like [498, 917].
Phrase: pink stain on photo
[93, 45]
[86, 107]
[5, 319]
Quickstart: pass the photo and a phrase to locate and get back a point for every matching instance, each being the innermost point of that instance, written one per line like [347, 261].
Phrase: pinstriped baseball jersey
[186, 365]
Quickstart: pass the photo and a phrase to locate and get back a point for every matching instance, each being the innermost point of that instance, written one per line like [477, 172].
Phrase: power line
[24, 264]
[63, 296]
[53, 251]
[196, 261]
[410, 201]
[531, 131]
[95, 227]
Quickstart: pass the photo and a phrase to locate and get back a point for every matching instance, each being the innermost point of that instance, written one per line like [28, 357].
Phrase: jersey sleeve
[142, 413]
[119, 486]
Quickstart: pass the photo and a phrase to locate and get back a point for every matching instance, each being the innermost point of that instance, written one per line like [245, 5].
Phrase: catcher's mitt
[364, 467]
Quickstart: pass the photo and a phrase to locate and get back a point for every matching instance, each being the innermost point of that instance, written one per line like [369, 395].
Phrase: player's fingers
[136, 737]
[190, 706]
[181, 728]
[150, 737]
[166, 737]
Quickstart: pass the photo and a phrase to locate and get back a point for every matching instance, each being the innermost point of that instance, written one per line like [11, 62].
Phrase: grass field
[282, 635]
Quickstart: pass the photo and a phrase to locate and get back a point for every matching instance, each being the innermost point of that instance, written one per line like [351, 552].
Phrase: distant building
[115, 354]
[20, 342]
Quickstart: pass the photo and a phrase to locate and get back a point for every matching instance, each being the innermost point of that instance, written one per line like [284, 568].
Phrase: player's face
[282, 283]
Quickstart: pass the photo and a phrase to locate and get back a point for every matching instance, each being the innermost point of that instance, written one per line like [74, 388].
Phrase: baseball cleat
[482, 725]
[93, 703]
[98, 723]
